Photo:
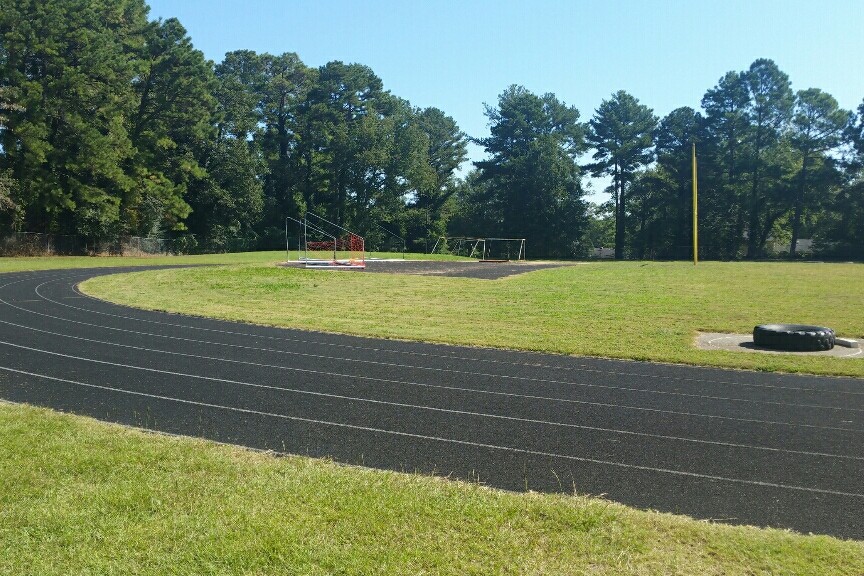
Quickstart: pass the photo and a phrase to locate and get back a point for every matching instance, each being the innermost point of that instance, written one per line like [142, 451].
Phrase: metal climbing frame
[324, 244]
[484, 249]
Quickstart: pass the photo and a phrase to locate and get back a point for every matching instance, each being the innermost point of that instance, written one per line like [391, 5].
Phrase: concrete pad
[846, 342]
[744, 343]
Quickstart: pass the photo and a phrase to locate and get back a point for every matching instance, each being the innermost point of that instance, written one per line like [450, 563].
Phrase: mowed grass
[633, 310]
[20, 264]
[82, 497]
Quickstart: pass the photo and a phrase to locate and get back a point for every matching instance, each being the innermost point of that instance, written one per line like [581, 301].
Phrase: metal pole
[695, 212]
[301, 234]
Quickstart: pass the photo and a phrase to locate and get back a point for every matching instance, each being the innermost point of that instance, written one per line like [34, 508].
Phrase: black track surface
[734, 446]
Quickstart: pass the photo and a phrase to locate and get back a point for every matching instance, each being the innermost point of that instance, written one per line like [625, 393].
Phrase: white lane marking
[560, 400]
[387, 402]
[543, 398]
[481, 374]
[581, 368]
[449, 440]
[504, 376]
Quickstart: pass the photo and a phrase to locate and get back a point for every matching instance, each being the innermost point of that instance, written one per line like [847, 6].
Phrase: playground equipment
[484, 249]
[324, 244]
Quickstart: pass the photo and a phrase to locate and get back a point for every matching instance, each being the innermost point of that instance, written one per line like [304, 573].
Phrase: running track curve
[731, 446]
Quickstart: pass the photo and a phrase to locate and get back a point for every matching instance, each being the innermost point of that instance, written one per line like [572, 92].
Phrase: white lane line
[638, 390]
[450, 440]
[544, 381]
[550, 399]
[391, 403]
[412, 383]
[480, 374]
[580, 368]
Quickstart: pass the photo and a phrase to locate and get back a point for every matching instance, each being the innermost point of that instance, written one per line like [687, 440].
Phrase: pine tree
[68, 66]
[621, 132]
[533, 180]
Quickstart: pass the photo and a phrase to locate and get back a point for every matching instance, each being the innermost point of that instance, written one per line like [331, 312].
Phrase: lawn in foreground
[634, 310]
[79, 496]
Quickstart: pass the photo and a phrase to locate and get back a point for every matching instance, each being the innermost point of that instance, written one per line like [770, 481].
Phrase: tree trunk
[754, 228]
[734, 246]
[770, 219]
[138, 124]
[685, 226]
[619, 214]
[753, 234]
[643, 239]
[799, 206]
[281, 128]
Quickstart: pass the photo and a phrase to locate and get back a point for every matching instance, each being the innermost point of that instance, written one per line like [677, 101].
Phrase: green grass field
[64, 262]
[81, 497]
[636, 310]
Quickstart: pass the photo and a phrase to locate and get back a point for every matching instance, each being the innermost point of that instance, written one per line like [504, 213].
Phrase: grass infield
[22, 264]
[79, 496]
[632, 310]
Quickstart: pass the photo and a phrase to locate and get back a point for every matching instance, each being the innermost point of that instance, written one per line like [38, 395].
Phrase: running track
[734, 446]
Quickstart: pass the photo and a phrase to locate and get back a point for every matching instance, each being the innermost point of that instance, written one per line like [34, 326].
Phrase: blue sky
[457, 55]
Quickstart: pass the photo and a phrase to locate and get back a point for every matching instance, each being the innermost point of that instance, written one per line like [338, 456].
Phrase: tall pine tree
[533, 184]
[621, 132]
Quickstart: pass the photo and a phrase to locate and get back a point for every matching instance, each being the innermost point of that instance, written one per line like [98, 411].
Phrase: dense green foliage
[113, 125]
[530, 187]
[773, 166]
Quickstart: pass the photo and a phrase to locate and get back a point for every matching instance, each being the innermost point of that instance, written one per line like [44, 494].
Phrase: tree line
[113, 125]
[116, 125]
[774, 165]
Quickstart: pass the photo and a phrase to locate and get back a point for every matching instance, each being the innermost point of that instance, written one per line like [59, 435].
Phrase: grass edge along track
[627, 310]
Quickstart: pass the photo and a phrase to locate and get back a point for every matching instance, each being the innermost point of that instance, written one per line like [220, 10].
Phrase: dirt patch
[460, 268]
[744, 343]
